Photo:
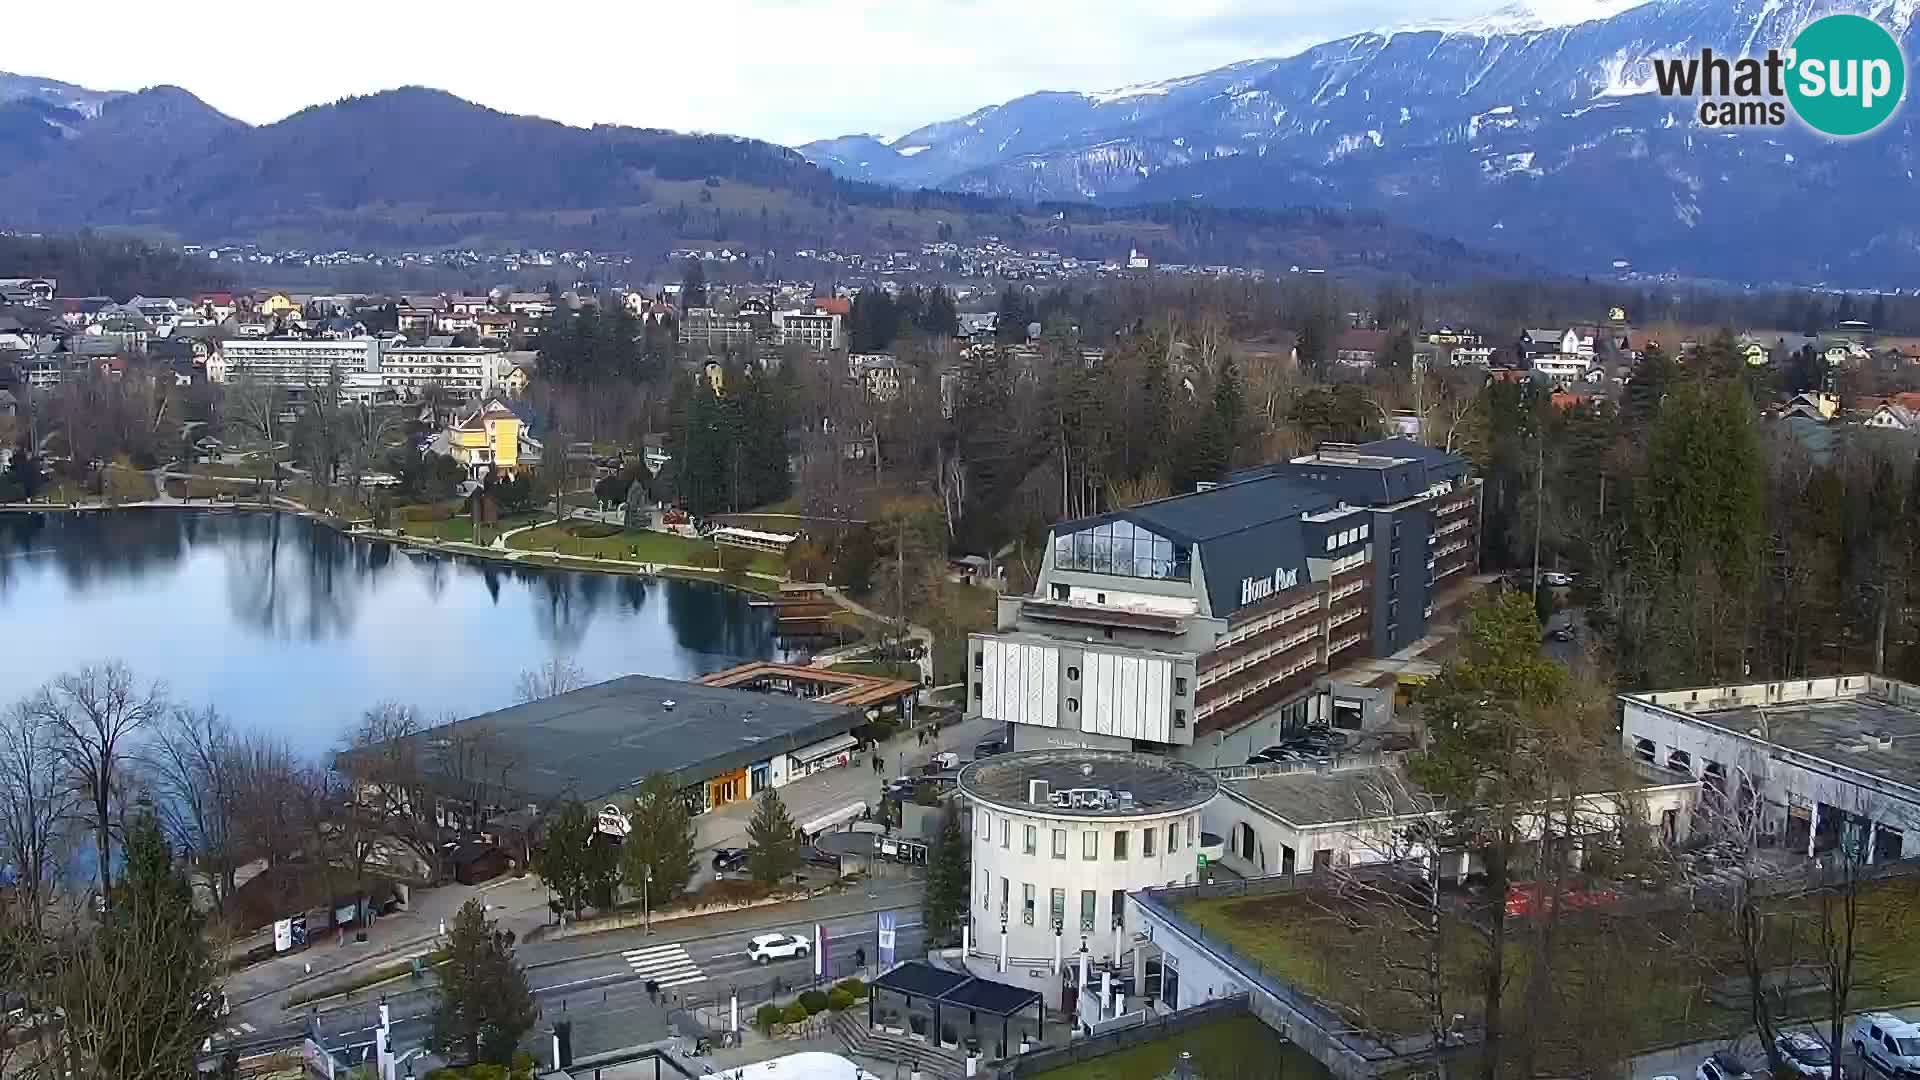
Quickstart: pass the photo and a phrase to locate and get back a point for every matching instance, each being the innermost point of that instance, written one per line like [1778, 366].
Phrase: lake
[290, 627]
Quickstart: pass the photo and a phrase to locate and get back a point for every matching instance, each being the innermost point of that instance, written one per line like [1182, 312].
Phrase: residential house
[883, 378]
[1894, 418]
[274, 305]
[35, 292]
[1813, 405]
[532, 305]
[218, 306]
[490, 437]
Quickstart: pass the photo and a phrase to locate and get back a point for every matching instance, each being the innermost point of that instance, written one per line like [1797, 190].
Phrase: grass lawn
[889, 669]
[1238, 1046]
[1641, 978]
[636, 545]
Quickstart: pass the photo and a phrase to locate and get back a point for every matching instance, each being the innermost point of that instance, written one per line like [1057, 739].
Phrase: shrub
[765, 1017]
[795, 1013]
[523, 1065]
[854, 987]
[839, 1000]
[814, 1002]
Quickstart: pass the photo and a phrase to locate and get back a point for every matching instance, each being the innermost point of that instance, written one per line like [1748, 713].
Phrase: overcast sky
[773, 69]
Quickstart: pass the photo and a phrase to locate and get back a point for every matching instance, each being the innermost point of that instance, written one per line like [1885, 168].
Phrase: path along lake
[292, 628]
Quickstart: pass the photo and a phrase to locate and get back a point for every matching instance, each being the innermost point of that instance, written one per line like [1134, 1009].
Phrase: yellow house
[487, 438]
[277, 304]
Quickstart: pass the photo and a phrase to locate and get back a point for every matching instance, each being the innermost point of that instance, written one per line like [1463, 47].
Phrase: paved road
[605, 993]
[1681, 1061]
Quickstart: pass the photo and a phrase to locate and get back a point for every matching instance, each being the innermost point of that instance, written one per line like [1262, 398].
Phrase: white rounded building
[1060, 836]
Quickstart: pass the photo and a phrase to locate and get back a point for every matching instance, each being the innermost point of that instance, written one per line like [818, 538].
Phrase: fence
[1040, 1061]
[1332, 763]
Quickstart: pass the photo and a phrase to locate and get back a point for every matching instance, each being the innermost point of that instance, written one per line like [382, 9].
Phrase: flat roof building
[1163, 623]
[1815, 764]
[721, 745]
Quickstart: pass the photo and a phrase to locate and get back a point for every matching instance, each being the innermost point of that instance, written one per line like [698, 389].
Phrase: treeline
[588, 345]
[93, 264]
[878, 318]
[1714, 545]
[727, 438]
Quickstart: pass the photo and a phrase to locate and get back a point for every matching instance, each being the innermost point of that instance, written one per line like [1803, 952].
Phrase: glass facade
[1124, 549]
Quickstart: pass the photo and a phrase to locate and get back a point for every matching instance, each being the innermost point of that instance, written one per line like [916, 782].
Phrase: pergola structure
[941, 989]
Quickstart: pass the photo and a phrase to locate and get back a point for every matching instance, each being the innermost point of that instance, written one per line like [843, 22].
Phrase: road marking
[666, 965]
[248, 1028]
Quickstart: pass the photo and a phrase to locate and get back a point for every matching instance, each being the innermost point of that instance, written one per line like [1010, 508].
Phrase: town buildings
[1176, 623]
[365, 363]
[817, 331]
[1061, 836]
[489, 438]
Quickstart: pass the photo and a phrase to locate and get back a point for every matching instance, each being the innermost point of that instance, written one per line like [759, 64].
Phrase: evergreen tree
[948, 877]
[693, 285]
[773, 850]
[138, 997]
[661, 843]
[575, 862]
[484, 1007]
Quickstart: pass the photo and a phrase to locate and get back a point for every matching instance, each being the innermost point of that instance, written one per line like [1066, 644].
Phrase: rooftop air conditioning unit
[1038, 792]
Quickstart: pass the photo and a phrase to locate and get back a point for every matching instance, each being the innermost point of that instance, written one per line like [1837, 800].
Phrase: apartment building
[296, 362]
[462, 372]
[1154, 626]
[366, 363]
[816, 331]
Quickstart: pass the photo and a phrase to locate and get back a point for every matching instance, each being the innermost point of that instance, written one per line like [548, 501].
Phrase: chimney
[1038, 791]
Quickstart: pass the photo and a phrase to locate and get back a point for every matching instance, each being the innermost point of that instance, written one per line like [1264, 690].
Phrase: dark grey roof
[1243, 529]
[917, 978]
[604, 739]
[1312, 798]
[1841, 730]
[1158, 785]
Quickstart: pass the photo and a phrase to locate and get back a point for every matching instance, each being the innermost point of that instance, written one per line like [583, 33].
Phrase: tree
[693, 285]
[484, 1006]
[948, 878]
[35, 804]
[96, 715]
[253, 405]
[195, 761]
[138, 995]
[660, 848]
[773, 850]
[555, 677]
[1482, 715]
[579, 868]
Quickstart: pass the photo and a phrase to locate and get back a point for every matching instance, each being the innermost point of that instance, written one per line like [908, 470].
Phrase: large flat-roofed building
[1160, 625]
[1061, 836]
[462, 372]
[295, 362]
[404, 370]
[1816, 764]
[720, 745]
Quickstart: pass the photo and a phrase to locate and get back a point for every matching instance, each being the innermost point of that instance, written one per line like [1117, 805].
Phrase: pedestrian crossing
[237, 1031]
[668, 965]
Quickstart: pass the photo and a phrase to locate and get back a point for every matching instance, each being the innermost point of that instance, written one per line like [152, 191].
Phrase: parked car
[813, 856]
[1888, 1043]
[728, 859]
[1563, 632]
[766, 948]
[1803, 1053]
[989, 746]
[1557, 578]
[1722, 1065]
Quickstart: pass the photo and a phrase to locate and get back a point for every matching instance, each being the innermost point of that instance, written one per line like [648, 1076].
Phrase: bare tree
[197, 768]
[557, 676]
[386, 787]
[96, 716]
[36, 805]
[253, 405]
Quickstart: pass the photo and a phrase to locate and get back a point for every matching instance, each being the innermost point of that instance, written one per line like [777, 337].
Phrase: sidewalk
[517, 904]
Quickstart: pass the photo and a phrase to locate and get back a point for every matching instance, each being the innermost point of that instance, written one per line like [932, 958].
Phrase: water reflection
[288, 625]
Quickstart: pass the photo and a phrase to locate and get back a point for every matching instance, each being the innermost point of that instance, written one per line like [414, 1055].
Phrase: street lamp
[646, 905]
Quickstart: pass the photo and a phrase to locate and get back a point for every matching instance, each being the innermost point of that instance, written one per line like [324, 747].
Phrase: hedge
[595, 531]
[814, 1001]
[839, 1000]
[766, 1016]
[795, 1013]
[855, 989]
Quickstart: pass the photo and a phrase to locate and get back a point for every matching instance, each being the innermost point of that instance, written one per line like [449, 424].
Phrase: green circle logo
[1847, 75]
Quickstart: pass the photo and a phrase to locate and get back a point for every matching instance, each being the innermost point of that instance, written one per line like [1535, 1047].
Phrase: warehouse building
[1161, 625]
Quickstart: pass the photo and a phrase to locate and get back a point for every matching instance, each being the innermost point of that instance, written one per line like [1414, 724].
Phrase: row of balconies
[1239, 664]
[1345, 643]
[1453, 508]
[1346, 590]
[1305, 663]
[1453, 526]
[1345, 617]
[1267, 622]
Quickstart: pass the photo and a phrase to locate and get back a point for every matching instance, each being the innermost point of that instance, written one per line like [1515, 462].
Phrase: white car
[1888, 1043]
[1556, 577]
[1803, 1054]
[767, 948]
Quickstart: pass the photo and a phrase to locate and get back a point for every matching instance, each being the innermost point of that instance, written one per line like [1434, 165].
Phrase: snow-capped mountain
[1519, 130]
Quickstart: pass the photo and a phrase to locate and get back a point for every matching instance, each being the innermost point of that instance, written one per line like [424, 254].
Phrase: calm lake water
[292, 628]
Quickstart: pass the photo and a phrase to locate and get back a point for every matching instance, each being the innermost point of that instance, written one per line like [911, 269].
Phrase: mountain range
[1545, 141]
[420, 169]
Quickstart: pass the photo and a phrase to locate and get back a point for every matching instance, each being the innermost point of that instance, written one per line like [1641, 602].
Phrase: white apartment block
[365, 362]
[464, 373]
[287, 362]
[817, 331]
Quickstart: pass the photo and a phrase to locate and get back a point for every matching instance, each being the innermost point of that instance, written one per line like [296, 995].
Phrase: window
[1643, 749]
[1062, 592]
[1089, 901]
[1180, 685]
[986, 825]
[1005, 885]
[1179, 718]
[977, 693]
[979, 659]
[1073, 704]
[1026, 903]
[1146, 841]
[1059, 843]
[986, 890]
[1006, 832]
[1173, 837]
[1190, 827]
[1109, 631]
[1090, 846]
[1332, 542]
[1120, 907]
[1030, 839]
[1058, 908]
[1073, 673]
[1100, 598]
[1120, 844]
